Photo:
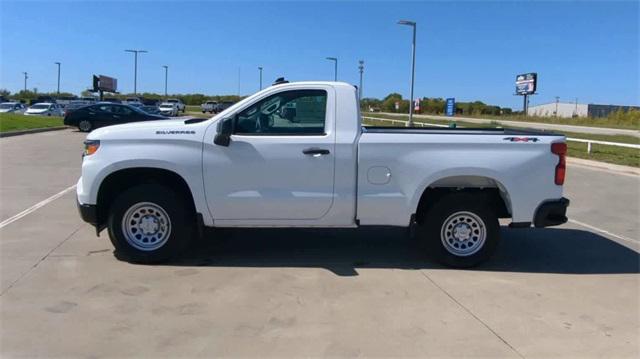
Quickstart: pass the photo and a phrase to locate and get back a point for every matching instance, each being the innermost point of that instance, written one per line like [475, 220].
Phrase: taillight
[560, 149]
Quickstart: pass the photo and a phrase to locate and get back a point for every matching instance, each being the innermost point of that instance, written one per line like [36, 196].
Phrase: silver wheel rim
[146, 226]
[85, 125]
[463, 234]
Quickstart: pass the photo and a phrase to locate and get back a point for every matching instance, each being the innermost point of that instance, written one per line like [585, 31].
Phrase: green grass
[605, 153]
[18, 122]
[628, 121]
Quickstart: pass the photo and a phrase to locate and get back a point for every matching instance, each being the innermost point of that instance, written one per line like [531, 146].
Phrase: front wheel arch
[121, 180]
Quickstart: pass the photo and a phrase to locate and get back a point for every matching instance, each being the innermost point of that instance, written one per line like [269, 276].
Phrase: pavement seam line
[33, 208]
[40, 261]
[471, 313]
[594, 228]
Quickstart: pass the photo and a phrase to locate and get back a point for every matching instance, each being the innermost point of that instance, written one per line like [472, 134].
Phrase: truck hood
[156, 130]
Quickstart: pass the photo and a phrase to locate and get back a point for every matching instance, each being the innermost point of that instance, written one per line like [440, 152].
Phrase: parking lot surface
[568, 291]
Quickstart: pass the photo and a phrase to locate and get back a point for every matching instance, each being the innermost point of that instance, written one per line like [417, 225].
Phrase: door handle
[315, 152]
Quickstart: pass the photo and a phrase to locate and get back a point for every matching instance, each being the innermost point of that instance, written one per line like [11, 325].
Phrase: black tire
[466, 217]
[180, 217]
[85, 126]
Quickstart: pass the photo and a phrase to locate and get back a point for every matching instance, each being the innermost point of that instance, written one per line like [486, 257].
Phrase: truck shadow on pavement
[343, 251]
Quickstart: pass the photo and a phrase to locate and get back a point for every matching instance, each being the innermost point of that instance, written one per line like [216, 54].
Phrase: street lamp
[166, 76]
[135, 68]
[260, 69]
[57, 63]
[335, 60]
[25, 81]
[361, 68]
[413, 67]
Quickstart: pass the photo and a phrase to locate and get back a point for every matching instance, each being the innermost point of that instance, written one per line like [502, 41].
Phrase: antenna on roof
[279, 81]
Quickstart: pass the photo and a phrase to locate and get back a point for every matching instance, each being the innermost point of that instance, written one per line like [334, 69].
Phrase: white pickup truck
[296, 155]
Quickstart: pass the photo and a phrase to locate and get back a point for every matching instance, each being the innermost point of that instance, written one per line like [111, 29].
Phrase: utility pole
[238, 81]
[361, 68]
[25, 81]
[57, 63]
[135, 68]
[260, 69]
[166, 77]
[413, 67]
[335, 67]
[557, 101]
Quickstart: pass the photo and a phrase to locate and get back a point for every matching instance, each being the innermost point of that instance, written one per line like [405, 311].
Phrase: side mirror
[225, 128]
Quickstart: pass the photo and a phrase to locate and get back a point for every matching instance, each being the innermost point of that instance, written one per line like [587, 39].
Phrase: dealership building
[572, 109]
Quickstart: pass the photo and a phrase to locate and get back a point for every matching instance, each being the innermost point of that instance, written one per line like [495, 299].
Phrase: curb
[626, 170]
[34, 130]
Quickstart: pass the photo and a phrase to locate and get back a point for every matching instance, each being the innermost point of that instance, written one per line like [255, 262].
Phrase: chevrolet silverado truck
[297, 155]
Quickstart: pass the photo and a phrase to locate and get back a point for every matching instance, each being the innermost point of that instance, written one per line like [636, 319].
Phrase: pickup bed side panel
[523, 171]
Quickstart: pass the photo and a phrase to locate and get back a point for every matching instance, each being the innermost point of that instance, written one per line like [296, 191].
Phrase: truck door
[279, 164]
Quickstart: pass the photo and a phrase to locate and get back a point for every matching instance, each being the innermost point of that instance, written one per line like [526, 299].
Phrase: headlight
[90, 147]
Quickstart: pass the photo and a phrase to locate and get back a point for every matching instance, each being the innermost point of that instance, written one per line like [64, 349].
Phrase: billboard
[450, 107]
[526, 83]
[105, 83]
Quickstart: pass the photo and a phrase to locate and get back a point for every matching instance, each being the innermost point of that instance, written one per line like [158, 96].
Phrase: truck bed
[457, 131]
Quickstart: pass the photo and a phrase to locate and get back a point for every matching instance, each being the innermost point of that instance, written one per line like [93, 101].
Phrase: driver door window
[297, 112]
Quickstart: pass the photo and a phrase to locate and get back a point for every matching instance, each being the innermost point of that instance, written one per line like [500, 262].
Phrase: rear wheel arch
[119, 181]
[487, 189]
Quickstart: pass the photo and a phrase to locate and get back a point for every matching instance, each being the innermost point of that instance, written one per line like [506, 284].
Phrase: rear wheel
[85, 126]
[461, 230]
[150, 223]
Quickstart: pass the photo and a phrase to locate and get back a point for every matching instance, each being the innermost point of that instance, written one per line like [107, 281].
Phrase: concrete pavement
[567, 291]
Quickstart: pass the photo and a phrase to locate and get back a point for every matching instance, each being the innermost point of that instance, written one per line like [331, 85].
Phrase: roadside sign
[526, 84]
[450, 107]
[417, 105]
[397, 105]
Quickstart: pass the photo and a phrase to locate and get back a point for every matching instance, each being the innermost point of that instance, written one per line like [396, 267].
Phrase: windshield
[166, 106]
[172, 101]
[39, 107]
[6, 106]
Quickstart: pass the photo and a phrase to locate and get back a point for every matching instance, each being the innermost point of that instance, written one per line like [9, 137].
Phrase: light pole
[57, 63]
[557, 100]
[361, 68]
[413, 67]
[166, 77]
[135, 68]
[335, 68]
[25, 81]
[260, 69]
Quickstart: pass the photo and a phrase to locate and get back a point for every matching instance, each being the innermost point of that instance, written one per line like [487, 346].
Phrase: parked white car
[296, 155]
[209, 106]
[134, 101]
[169, 109]
[179, 104]
[12, 107]
[45, 109]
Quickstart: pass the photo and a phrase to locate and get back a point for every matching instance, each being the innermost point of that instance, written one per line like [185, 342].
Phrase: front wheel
[150, 223]
[85, 126]
[461, 230]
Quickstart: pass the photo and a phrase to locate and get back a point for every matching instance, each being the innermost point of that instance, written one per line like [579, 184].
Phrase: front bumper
[551, 213]
[88, 213]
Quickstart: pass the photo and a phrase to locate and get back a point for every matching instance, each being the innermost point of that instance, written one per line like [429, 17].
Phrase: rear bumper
[551, 213]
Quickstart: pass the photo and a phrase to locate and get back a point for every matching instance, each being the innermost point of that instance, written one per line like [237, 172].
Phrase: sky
[470, 50]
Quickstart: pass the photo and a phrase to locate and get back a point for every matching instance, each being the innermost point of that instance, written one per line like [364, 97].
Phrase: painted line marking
[33, 208]
[602, 231]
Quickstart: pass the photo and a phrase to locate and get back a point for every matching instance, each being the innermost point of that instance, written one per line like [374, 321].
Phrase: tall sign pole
[166, 78]
[413, 67]
[57, 63]
[135, 68]
[361, 68]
